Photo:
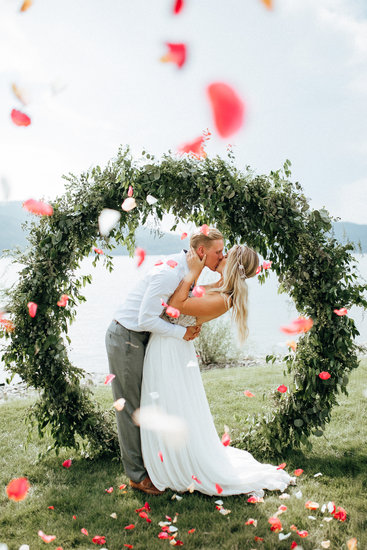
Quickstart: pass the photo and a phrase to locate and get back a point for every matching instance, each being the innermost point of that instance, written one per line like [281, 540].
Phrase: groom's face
[214, 254]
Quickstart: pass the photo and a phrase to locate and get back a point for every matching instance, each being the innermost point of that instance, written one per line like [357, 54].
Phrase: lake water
[268, 310]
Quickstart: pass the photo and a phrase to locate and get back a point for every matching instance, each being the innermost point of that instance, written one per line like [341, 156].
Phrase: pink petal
[46, 538]
[341, 312]
[130, 191]
[228, 108]
[17, 489]
[171, 263]
[178, 5]
[109, 378]
[67, 463]
[140, 254]
[176, 54]
[39, 208]
[98, 250]
[226, 440]
[173, 312]
[32, 309]
[160, 456]
[63, 300]
[183, 236]
[204, 229]
[19, 118]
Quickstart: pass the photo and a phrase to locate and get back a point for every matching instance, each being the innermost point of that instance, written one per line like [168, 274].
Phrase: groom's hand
[192, 332]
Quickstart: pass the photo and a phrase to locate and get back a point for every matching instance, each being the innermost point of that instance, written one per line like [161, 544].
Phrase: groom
[127, 337]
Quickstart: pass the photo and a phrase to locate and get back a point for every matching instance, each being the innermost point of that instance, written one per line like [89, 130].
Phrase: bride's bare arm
[211, 305]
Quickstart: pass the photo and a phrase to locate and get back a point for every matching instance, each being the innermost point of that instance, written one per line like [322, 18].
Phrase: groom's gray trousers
[126, 350]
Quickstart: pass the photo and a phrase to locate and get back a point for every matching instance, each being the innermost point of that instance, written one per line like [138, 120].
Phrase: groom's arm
[162, 284]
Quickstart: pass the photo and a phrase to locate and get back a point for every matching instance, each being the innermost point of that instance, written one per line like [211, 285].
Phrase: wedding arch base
[267, 212]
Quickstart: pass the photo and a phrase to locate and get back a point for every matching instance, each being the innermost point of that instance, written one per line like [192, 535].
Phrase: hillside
[12, 216]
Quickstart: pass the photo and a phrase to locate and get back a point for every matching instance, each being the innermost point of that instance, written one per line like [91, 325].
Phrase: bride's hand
[194, 263]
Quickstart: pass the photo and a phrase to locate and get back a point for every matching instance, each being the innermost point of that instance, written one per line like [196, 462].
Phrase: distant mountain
[12, 215]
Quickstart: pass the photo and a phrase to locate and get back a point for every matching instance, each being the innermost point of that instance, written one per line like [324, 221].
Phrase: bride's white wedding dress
[172, 383]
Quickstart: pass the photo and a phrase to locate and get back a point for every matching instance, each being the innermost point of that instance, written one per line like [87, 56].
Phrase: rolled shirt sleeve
[161, 286]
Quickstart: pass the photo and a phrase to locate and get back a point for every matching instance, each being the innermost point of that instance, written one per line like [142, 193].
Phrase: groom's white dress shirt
[142, 308]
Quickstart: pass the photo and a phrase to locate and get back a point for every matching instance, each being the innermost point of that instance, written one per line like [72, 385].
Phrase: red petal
[163, 535]
[109, 378]
[84, 532]
[51, 507]
[19, 118]
[191, 531]
[324, 375]
[109, 490]
[123, 486]
[140, 253]
[204, 229]
[258, 270]
[298, 472]
[159, 262]
[226, 440]
[143, 515]
[171, 263]
[17, 489]
[341, 312]
[218, 488]
[294, 544]
[67, 463]
[128, 546]
[302, 533]
[178, 6]
[46, 538]
[63, 300]
[98, 250]
[196, 148]
[267, 265]
[176, 54]
[248, 393]
[39, 208]
[32, 309]
[196, 479]
[131, 526]
[198, 291]
[164, 303]
[282, 466]
[160, 456]
[99, 540]
[228, 108]
[74, 517]
[282, 388]
[130, 191]
[172, 312]
[183, 236]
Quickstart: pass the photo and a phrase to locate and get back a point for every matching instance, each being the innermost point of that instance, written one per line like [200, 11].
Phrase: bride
[172, 387]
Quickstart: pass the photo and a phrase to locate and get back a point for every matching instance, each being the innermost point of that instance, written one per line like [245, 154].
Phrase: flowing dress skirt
[172, 383]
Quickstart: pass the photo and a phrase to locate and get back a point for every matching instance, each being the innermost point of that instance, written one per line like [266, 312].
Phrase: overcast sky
[300, 68]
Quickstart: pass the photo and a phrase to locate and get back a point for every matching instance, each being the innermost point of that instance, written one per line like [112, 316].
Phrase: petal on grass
[17, 489]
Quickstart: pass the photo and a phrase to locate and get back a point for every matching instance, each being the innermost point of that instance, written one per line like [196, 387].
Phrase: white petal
[113, 515]
[151, 199]
[318, 474]
[172, 429]
[108, 218]
[172, 529]
[24, 547]
[283, 537]
[284, 496]
[325, 544]
[311, 517]
[327, 519]
[219, 502]
[298, 494]
[323, 508]
[128, 204]
[177, 497]
[330, 506]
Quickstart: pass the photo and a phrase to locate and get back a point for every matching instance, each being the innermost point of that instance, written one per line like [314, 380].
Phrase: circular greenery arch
[268, 212]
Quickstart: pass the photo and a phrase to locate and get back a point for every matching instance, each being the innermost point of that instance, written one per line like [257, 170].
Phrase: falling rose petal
[39, 208]
[191, 531]
[177, 7]
[226, 440]
[282, 466]
[268, 3]
[109, 490]
[311, 505]
[282, 388]
[302, 534]
[84, 532]
[32, 309]
[173, 312]
[109, 378]
[128, 204]
[218, 488]
[130, 191]
[176, 54]
[67, 463]
[267, 265]
[172, 429]
[341, 312]
[204, 229]
[194, 148]
[159, 262]
[298, 472]
[151, 200]
[198, 291]
[46, 538]
[183, 236]
[98, 539]
[160, 456]
[291, 344]
[98, 250]
[324, 375]
[17, 489]
[340, 514]
[119, 404]
[258, 270]
[19, 94]
[107, 220]
[171, 263]
[248, 393]
[140, 254]
[63, 300]
[299, 325]
[163, 303]
[228, 108]
[26, 5]
[19, 118]
[352, 544]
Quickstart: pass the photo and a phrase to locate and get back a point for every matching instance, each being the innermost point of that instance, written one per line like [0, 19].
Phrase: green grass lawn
[340, 455]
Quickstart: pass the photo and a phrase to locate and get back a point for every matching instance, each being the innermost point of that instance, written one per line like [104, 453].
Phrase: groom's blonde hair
[199, 239]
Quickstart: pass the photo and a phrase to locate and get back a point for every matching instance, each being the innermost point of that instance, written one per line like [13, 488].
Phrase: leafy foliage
[268, 212]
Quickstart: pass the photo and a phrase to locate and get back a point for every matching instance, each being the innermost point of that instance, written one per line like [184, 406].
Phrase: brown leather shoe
[146, 486]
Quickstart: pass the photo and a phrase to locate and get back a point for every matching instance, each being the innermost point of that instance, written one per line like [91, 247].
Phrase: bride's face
[222, 264]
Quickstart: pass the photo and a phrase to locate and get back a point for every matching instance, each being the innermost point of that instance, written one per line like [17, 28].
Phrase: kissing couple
[153, 358]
